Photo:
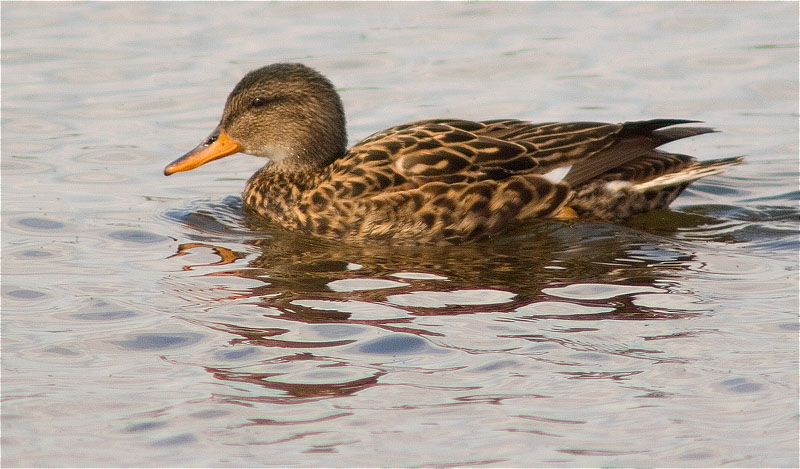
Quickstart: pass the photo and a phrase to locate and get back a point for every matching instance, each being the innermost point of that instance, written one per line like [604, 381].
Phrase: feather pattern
[439, 181]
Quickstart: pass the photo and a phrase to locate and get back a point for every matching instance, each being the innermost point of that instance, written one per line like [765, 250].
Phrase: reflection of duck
[435, 181]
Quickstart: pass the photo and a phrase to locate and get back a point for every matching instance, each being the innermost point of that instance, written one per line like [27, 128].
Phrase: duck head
[286, 112]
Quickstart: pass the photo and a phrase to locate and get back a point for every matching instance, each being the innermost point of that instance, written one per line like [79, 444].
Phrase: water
[146, 322]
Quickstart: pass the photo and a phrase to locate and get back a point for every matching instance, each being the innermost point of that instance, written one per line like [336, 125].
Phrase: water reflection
[590, 264]
[310, 319]
[297, 386]
[134, 336]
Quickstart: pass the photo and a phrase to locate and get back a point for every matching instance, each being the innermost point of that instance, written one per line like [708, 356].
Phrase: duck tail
[689, 174]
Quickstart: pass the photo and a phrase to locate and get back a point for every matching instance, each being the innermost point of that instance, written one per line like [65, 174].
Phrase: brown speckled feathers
[439, 181]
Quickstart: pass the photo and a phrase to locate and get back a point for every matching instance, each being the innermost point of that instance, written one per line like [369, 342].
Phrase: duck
[435, 181]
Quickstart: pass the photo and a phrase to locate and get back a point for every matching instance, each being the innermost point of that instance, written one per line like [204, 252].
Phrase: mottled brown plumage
[435, 181]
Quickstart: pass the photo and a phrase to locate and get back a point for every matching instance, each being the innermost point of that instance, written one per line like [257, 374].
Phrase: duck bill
[216, 146]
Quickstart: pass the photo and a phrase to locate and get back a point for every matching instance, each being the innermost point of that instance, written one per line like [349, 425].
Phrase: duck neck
[322, 147]
[308, 154]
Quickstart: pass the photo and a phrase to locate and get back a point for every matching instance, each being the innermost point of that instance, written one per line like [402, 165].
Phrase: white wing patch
[556, 175]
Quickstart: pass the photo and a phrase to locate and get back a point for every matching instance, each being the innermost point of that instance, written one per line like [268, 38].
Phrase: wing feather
[453, 151]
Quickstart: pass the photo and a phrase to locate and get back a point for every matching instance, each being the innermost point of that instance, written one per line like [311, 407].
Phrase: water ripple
[151, 318]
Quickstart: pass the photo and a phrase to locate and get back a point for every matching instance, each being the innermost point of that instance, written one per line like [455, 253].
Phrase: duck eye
[259, 101]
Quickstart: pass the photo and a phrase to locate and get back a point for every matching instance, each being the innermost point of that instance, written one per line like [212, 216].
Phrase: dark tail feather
[647, 127]
[655, 129]
[676, 133]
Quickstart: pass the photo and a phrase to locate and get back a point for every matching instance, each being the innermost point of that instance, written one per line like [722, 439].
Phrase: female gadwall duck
[443, 181]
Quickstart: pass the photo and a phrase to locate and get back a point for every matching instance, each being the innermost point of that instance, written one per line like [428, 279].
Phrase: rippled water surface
[147, 322]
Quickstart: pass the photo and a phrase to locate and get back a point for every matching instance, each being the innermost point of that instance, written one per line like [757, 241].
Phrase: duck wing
[452, 151]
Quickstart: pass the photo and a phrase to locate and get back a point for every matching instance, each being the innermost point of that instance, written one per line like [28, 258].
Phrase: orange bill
[216, 146]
